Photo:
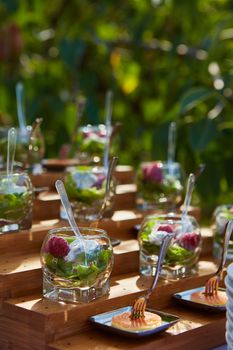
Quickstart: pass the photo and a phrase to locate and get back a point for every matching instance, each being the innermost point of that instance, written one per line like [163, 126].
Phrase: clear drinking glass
[183, 252]
[90, 143]
[160, 185]
[222, 214]
[71, 275]
[16, 201]
[30, 148]
[85, 187]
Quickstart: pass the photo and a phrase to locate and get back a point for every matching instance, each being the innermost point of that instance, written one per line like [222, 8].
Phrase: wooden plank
[190, 333]
[46, 207]
[23, 260]
[47, 179]
[16, 335]
[59, 320]
[21, 242]
[47, 204]
[124, 174]
[120, 225]
[27, 267]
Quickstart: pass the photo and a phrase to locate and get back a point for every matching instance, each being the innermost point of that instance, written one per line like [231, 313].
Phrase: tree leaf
[72, 51]
[193, 97]
[202, 133]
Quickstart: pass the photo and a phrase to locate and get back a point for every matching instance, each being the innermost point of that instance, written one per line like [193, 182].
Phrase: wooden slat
[47, 204]
[23, 259]
[124, 174]
[59, 320]
[15, 243]
[190, 333]
[27, 267]
[16, 335]
[120, 225]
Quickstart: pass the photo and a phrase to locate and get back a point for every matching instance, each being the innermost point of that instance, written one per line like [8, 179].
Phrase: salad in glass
[222, 214]
[159, 184]
[85, 187]
[90, 142]
[25, 156]
[183, 252]
[73, 271]
[16, 200]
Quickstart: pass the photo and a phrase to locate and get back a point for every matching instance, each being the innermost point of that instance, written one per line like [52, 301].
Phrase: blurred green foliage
[164, 60]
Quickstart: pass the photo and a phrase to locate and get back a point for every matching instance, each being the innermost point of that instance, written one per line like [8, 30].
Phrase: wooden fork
[211, 286]
[139, 306]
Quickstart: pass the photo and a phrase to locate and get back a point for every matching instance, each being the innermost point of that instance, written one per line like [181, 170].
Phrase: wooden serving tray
[39, 322]
[194, 331]
[27, 321]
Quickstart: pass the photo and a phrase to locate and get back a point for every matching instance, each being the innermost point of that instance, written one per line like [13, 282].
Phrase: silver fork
[139, 306]
[212, 284]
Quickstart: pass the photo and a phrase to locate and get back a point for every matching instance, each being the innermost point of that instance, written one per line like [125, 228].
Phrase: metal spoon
[108, 185]
[67, 207]
[107, 191]
[11, 145]
[171, 143]
[187, 201]
[36, 124]
[20, 111]
[108, 109]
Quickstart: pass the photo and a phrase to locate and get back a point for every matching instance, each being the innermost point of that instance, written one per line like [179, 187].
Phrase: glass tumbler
[182, 254]
[76, 270]
[16, 201]
[86, 187]
[160, 185]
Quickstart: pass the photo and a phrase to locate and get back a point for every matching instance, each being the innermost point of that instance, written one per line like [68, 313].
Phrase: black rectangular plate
[184, 298]
[104, 321]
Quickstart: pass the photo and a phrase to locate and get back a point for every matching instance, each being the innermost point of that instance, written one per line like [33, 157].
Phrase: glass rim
[163, 162]
[96, 127]
[170, 216]
[4, 174]
[75, 169]
[101, 232]
[4, 130]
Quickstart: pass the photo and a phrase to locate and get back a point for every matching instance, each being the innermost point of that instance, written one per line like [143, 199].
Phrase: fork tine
[210, 286]
[213, 286]
[216, 286]
[138, 308]
[142, 307]
[135, 309]
[207, 287]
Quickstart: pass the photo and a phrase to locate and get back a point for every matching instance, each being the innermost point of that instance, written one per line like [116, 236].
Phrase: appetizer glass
[90, 143]
[72, 274]
[160, 185]
[222, 215]
[182, 254]
[86, 187]
[16, 200]
[29, 149]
